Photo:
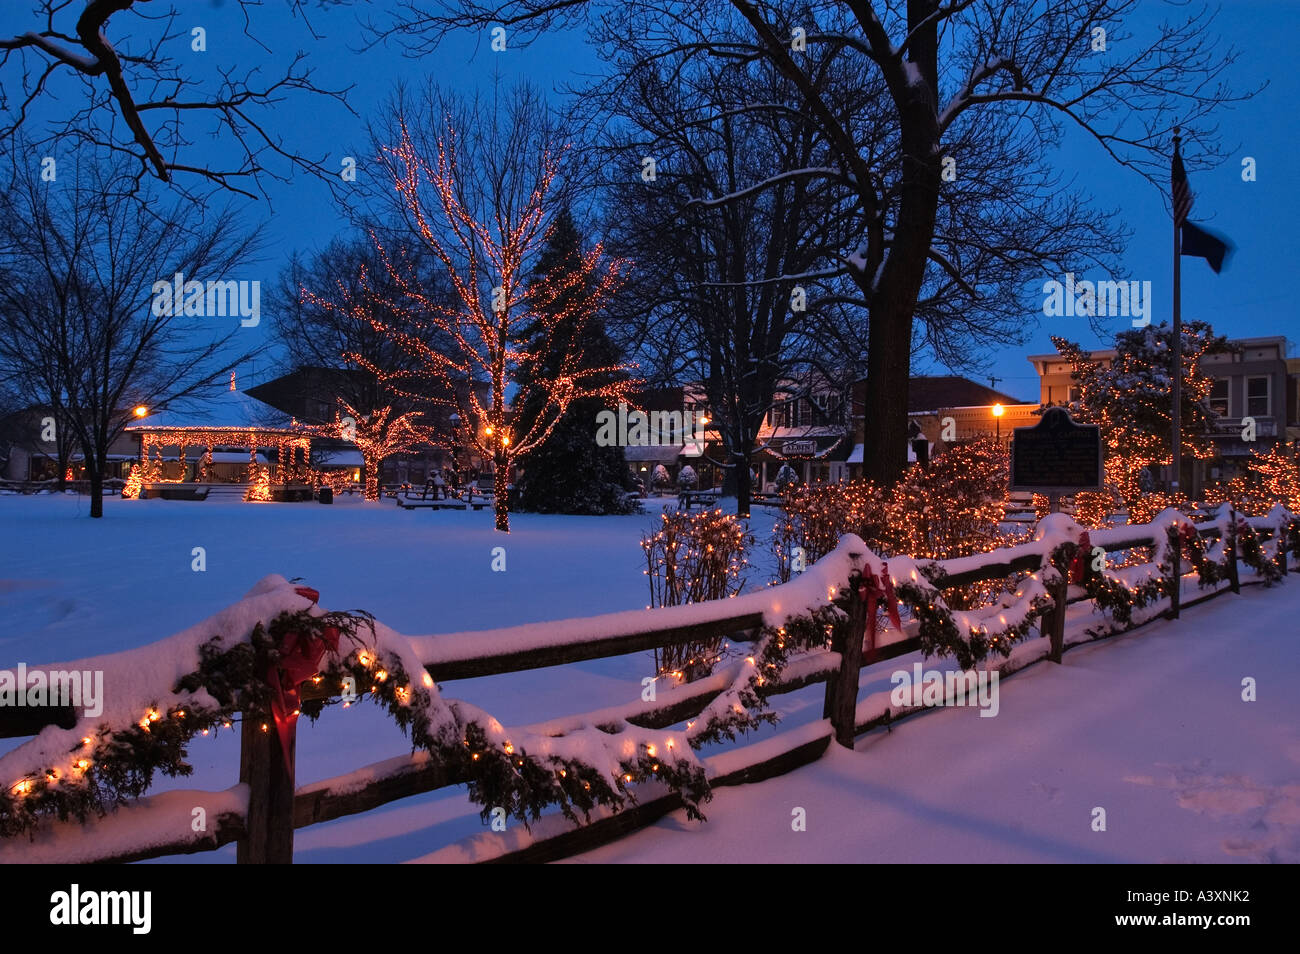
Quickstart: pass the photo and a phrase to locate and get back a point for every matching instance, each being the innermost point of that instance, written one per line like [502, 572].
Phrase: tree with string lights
[327, 307]
[1131, 402]
[482, 207]
[379, 433]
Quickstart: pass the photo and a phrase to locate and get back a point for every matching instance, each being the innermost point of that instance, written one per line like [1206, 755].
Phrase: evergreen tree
[1132, 400]
[569, 473]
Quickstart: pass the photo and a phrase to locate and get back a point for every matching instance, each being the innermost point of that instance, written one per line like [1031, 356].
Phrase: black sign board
[1056, 455]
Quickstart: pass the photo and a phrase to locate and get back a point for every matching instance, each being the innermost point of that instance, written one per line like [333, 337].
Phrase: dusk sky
[1249, 298]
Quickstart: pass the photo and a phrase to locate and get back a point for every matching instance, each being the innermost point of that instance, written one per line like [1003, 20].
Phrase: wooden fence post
[1230, 549]
[1175, 545]
[268, 838]
[842, 689]
[1053, 620]
[1056, 632]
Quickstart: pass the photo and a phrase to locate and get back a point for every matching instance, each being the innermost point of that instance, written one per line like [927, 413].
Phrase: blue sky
[1250, 298]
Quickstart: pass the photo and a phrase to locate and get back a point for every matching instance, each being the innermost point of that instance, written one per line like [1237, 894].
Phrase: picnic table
[688, 497]
[408, 500]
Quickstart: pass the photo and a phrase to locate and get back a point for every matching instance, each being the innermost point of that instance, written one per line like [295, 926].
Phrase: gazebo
[279, 450]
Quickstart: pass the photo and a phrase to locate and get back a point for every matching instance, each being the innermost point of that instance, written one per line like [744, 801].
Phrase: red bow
[1079, 565]
[871, 590]
[300, 657]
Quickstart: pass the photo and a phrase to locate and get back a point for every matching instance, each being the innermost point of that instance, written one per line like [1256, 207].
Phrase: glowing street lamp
[998, 411]
[140, 410]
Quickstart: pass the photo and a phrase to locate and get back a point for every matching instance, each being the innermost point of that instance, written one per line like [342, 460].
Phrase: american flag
[1182, 192]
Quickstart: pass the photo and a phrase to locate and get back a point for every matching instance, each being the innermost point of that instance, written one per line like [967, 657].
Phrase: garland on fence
[119, 763]
[741, 707]
[1186, 541]
[970, 642]
[1118, 600]
[1251, 549]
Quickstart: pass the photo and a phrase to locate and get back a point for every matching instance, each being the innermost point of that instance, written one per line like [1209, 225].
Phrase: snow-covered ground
[1149, 726]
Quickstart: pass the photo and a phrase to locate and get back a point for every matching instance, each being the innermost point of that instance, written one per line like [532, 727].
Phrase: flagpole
[1177, 416]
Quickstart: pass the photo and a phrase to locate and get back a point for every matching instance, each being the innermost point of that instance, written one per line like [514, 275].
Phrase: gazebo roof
[229, 411]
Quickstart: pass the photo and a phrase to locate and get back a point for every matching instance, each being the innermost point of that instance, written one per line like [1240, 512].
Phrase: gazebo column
[181, 459]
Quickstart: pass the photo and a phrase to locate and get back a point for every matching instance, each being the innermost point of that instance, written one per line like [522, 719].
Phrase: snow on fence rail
[261, 812]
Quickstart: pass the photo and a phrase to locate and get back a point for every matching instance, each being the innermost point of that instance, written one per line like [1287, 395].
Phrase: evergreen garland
[941, 636]
[1251, 549]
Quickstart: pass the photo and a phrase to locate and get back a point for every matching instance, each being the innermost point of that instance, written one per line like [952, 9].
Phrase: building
[224, 440]
[26, 456]
[1254, 380]
[806, 428]
[311, 395]
[820, 435]
[946, 410]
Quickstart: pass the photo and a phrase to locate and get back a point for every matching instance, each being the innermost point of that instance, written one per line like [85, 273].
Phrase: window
[1075, 394]
[829, 407]
[1219, 397]
[1257, 396]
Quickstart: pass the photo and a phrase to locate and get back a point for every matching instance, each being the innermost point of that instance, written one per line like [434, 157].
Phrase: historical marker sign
[1056, 455]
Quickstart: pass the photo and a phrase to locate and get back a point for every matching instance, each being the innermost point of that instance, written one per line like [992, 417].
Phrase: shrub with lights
[692, 558]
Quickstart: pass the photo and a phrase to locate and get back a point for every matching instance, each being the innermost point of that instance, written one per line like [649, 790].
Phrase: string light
[519, 323]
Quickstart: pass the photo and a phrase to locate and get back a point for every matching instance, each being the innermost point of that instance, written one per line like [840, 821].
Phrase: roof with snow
[229, 410]
[930, 393]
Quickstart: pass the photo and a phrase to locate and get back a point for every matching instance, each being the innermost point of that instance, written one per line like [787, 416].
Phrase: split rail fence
[276, 808]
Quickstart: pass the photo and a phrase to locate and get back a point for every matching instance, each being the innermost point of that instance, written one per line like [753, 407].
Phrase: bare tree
[1030, 67]
[329, 309]
[481, 203]
[739, 288]
[87, 262]
[138, 100]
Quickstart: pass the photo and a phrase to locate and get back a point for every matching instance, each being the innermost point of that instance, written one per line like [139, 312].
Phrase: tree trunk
[740, 458]
[889, 338]
[500, 495]
[96, 489]
[370, 473]
[64, 458]
[889, 360]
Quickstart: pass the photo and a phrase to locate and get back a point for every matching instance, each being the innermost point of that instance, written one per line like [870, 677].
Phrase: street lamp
[140, 410]
[998, 411]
